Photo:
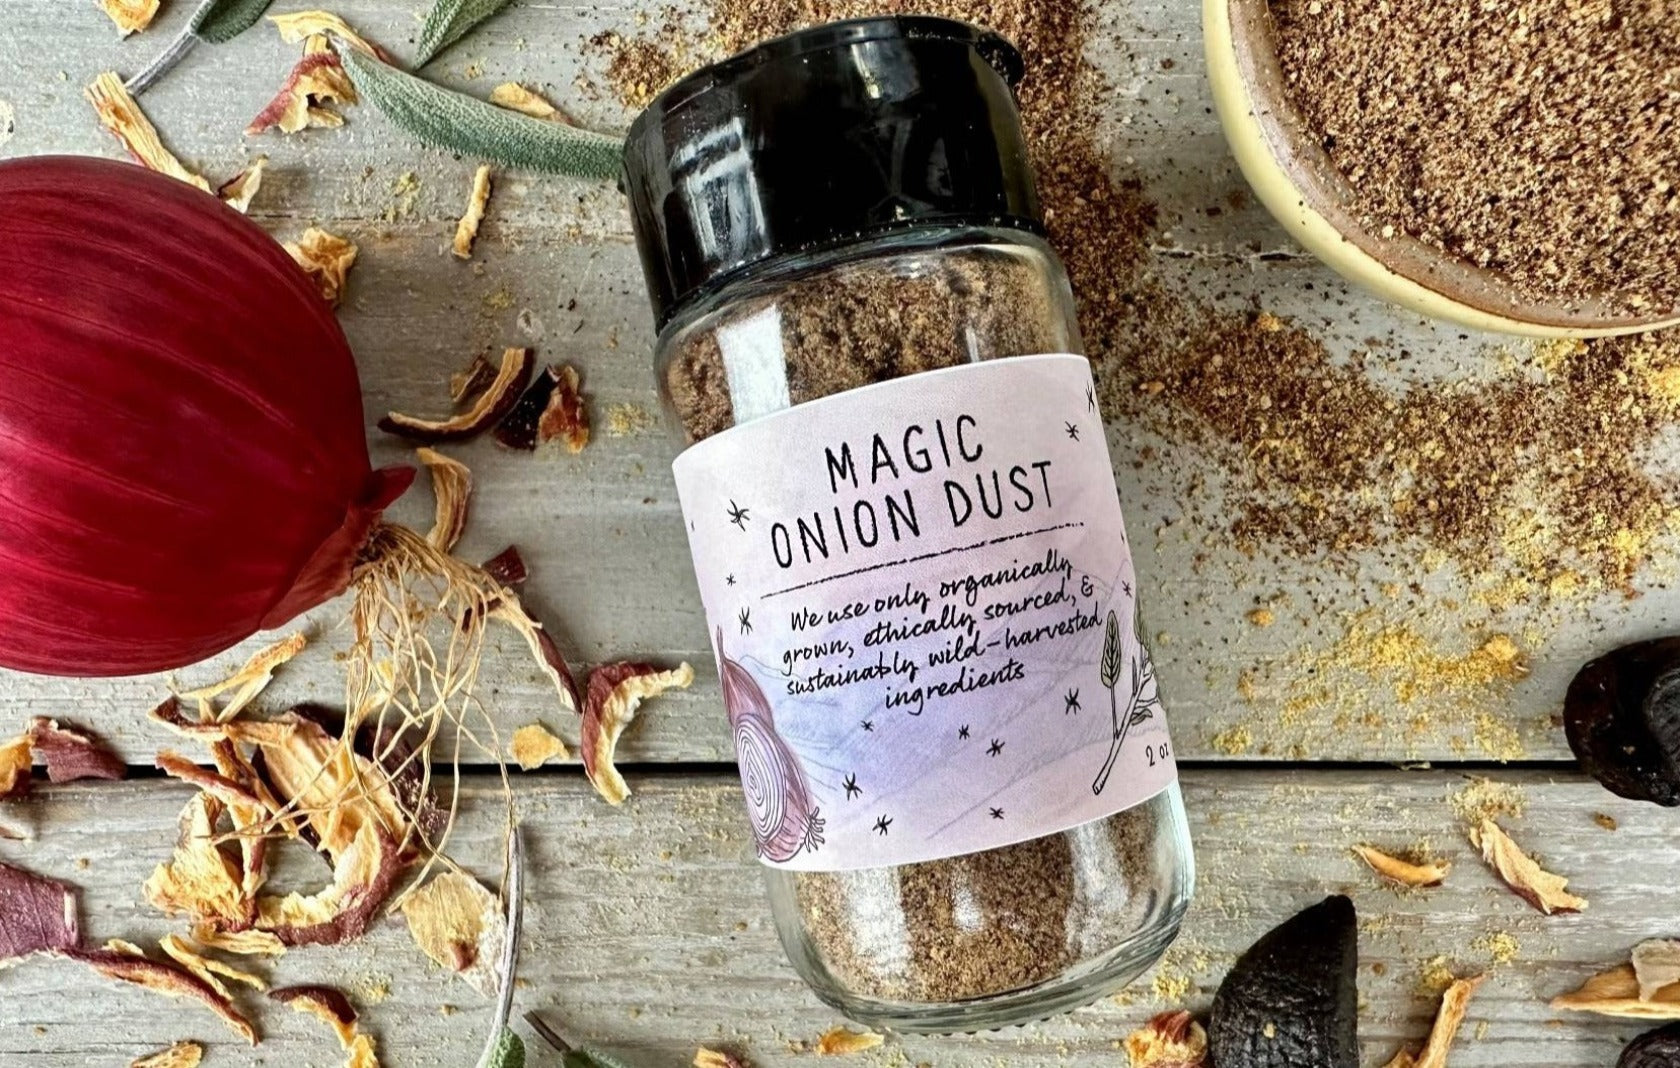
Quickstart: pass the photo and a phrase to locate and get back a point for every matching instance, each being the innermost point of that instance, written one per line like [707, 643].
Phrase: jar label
[922, 602]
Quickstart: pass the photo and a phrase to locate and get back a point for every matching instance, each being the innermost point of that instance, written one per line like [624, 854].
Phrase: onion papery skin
[183, 460]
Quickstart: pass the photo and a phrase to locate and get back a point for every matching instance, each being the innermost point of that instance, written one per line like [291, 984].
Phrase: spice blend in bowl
[1511, 166]
[905, 529]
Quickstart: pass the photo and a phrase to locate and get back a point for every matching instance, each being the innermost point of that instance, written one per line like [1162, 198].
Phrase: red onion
[182, 453]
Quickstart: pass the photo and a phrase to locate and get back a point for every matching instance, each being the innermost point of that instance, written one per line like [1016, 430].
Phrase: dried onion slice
[490, 408]
[615, 692]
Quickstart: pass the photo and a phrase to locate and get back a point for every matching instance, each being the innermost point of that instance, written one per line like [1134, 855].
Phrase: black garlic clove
[1291, 1001]
[1622, 717]
[1653, 1049]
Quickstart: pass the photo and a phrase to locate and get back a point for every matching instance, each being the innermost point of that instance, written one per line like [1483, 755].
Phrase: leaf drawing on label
[785, 821]
[1111, 654]
[1142, 699]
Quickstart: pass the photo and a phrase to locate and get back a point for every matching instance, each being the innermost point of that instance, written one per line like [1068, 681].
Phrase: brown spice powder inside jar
[853, 326]
[979, 924]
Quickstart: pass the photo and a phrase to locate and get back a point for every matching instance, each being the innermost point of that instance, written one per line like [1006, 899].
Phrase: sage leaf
[449, 21]
[215, 21]
[220, 21]
[456, 122]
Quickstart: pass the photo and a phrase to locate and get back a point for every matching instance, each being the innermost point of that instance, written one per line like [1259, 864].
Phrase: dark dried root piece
[1291, 1001]
[491, 407]
[1622, 717]
[1653, 1049]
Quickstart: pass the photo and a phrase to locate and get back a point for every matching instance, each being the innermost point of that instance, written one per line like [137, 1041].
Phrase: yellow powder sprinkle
[1500, 946]
[1234, 741]
[1262, 617]
[1485, 799]
[1171, 986]
[1435, 976]
[623, 420]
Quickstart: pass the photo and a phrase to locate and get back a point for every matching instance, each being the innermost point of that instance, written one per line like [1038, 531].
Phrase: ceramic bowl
[1293, 177]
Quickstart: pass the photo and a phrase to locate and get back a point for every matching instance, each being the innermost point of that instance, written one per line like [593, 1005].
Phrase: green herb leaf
[215, 21]
[449, 21]
[449, 120]
[1111, 659]
[220, 21]
[508, 1052]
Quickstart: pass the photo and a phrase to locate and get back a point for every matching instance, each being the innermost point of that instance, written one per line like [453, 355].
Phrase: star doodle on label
[852, 788]
[882, 824]
[746, 620]
[738, 515]
[997, 813]
[995, 748]
[1071, 702]
[868, 724]
[729, 580]
[1090, 399]
[962, 731]
[1073, 431]
[1126, 588]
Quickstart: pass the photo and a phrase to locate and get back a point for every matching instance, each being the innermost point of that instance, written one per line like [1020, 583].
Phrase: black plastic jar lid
[823, 137]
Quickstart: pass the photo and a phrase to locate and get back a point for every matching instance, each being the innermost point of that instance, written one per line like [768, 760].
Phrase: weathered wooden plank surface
[602, 530]
[647, 932]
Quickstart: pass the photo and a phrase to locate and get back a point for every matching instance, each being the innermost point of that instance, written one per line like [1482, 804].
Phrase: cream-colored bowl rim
[1257, 154]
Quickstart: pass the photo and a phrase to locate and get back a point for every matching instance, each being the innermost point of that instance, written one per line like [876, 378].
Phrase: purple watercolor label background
[922, 599]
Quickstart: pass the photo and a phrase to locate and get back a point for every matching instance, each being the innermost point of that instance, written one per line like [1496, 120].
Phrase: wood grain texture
[555, 268]
[647, 931]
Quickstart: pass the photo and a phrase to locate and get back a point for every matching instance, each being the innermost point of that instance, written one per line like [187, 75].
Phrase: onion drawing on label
[1125, 659]
[785, 819]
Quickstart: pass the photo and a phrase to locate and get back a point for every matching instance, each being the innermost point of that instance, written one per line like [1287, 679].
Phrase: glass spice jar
[906, 530]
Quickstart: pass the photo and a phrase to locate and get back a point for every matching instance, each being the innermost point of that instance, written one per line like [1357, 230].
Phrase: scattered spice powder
[1539, 471]
[1537, 140]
